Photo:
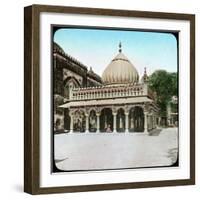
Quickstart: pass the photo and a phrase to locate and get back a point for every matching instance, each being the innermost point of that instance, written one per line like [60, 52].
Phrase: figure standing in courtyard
[108, 129]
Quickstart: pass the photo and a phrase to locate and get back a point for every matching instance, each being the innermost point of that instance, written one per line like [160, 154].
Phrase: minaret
[145, 77]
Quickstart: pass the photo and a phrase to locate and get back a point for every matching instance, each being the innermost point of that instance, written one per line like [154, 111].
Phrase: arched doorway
[106, 120]
[70, 82]
[136, 119]
[79, 121]
[92, 121]
[120, 120]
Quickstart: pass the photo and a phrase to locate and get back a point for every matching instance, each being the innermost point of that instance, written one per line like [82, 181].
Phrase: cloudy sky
[96, 48]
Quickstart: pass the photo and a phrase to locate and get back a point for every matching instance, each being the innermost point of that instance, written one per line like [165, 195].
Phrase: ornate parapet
[106, 92]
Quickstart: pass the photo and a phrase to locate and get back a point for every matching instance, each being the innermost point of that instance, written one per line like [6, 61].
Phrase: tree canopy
[165, 85]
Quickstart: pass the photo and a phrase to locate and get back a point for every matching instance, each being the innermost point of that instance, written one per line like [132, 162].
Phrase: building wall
[68, 72]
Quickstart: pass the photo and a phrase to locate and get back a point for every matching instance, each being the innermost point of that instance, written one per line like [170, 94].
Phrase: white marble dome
[120, 71]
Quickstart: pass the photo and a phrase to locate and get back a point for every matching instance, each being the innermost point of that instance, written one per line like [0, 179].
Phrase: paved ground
[94, 151]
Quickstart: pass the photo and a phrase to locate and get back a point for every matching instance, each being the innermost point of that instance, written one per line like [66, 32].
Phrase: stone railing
[104, 92]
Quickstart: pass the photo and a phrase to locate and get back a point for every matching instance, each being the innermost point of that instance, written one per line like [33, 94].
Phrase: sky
[96, 48]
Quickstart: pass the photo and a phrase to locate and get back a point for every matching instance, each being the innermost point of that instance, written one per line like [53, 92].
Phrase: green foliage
[165, 85]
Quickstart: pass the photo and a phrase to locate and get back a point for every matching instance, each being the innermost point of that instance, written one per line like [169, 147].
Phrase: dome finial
[120, 47]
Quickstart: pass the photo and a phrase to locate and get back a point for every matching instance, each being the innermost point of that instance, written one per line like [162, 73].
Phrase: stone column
[71, 123]
[98, 122]
[150, 122]
[153, 126]
[114, 122]
[149, 125]
[126, 122]
[87, 123]
[145, 122]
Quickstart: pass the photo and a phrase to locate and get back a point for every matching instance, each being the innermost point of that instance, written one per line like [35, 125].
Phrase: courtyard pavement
[94, 151]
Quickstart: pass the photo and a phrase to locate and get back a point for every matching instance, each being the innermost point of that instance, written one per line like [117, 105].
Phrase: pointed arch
[70, 82]
[79, 121]
[136, 119]
[120, 120]
[106, 120]
[92, 121]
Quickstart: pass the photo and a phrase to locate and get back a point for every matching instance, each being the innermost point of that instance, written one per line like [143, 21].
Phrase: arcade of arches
[111, 119]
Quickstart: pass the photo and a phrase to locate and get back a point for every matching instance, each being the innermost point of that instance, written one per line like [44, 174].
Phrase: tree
[165, 85]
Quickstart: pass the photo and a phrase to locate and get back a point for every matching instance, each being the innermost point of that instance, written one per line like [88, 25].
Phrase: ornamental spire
[145, 77]
[120, 47]
[145, 71]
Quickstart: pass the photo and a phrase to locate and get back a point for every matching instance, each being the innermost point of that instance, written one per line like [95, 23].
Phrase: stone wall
[68, 72]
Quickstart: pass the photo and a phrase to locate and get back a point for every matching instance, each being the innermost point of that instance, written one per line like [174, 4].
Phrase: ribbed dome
[120, 70]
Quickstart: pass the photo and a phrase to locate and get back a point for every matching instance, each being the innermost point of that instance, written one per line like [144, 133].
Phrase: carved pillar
[98, 122]
[149, 124]
[114, 121]
[156, 122]
[126, 121]
[71, 123]
[149, 127]
[145, 122]
[153, 126]
[87, 122]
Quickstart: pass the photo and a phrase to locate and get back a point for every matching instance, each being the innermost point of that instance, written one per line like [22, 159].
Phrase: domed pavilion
[121, 104]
